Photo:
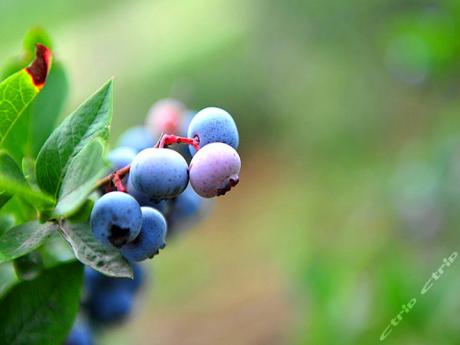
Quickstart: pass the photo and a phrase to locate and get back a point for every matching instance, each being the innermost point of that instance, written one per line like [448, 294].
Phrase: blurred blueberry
[80, 334]
[121, 157]
[95, 281]
[110, 306]
[187, 208]
[137, 138]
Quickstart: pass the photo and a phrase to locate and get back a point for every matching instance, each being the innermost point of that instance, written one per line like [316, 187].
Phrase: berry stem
[114, 179]
[118, 183]
[168, 139]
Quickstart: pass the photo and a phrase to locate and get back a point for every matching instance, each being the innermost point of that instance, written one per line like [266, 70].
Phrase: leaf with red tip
[40, 67]
[18, 90]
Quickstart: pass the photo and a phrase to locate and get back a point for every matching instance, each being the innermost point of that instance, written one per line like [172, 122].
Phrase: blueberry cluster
[152, 180]
[106, 302]
[155, 189]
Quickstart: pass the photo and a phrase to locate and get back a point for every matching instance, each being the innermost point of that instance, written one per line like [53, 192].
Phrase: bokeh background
[349, 116]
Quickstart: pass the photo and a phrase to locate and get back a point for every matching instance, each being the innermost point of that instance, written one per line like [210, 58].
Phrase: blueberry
[214, 170]
[96, 282]
[93, 279]
[165, 116]
[116, 219]
[137, 138]
[110, 306]
[134, 284]
[108, 299]
[151, 238]
[121, 157]
[186, 208]
[144, 200]
[158, 173]
[212, 125]
[80, 334]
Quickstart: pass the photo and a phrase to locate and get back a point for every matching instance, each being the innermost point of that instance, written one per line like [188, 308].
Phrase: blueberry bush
[75, 218]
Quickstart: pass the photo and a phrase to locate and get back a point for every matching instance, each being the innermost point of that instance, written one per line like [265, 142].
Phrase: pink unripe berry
[165, 116]
[214, 170]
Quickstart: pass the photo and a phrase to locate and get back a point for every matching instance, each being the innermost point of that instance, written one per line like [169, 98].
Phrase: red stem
[169, 139]
[115, 179]
[119, 183]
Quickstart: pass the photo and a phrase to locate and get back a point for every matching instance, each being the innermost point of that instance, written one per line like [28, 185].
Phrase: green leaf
[12, 186]
[42, 311]
[16, 140]
[23, 239]
[81, 176]
[18, 90]
[29, 266]
[28, 170]
[39, 119]
[13, 65]
[55, 251]
[12, 182]
[10, 170]
[90, 252]
[32, 38]
[7, 277]
[47, 107]
[83, 213]
[19, 210]
[87, 123]
[6, 222]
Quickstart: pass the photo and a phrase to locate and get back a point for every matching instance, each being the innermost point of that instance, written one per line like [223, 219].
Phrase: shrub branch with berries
[56, 183]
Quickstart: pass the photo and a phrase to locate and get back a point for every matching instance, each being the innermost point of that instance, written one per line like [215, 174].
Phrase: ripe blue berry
[80, 334]
[110, 306]
[158, 173]
[212, 125]
[214, 170]
[186, 208]
[151, 238]
[121, 157]
[96, 282]
[134, 284]
[165, 116]
[92, 279]
[108, 300]
[137, 138]
[116, 219]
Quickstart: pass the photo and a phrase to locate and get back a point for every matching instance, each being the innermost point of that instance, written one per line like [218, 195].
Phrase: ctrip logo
[406, 308]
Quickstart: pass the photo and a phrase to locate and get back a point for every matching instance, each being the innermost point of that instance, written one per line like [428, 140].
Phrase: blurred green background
[349, 119]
